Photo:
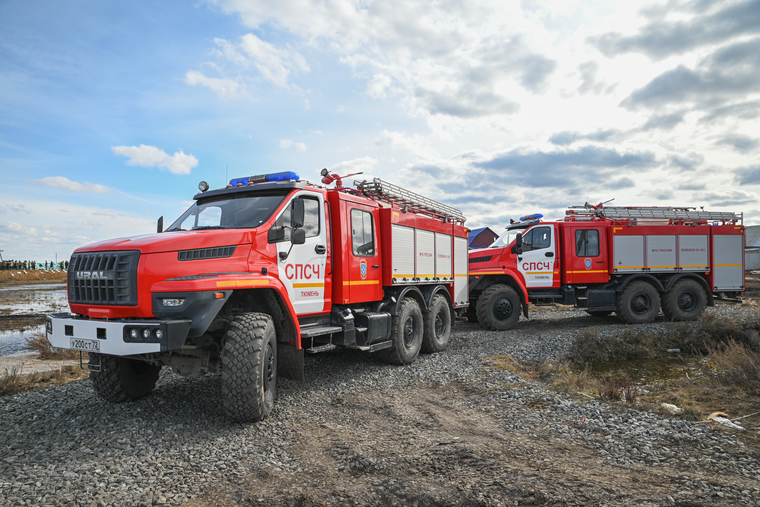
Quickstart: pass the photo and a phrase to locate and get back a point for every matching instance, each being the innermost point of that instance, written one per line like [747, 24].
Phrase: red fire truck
[253, 275]
[628, 260]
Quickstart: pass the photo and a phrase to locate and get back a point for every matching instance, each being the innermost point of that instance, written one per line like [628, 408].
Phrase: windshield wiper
[204, 227]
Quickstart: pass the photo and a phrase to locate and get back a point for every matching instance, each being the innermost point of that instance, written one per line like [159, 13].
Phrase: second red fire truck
[628, 260]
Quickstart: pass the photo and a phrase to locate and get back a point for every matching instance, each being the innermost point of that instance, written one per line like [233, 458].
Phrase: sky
[111, 113]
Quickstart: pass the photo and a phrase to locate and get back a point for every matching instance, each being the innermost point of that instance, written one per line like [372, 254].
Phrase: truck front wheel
[249, 367]
[406, 334]
[121, 379]
[498, 308]
[437, 326]
[685, 301]
[638, 304]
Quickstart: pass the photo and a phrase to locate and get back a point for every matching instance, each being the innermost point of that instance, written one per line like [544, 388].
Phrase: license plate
[86, 345]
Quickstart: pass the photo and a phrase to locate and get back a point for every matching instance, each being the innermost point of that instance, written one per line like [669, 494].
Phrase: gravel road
[446, 430]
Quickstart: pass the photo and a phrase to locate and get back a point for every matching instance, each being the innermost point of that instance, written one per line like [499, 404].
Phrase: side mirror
[297, 214]
[298, 237]
[517, 247]
[160, 224]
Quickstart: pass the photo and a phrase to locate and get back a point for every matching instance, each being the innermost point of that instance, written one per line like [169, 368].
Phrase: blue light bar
[261, 178]
[534, 216]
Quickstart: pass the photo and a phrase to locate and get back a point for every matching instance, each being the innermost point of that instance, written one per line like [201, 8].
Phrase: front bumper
[115, 337]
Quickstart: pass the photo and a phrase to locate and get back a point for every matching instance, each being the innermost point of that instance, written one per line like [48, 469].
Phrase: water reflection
[22, 311]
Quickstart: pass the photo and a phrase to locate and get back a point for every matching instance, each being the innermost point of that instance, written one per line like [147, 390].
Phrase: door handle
[376, 265]
[320, 249]
[600, 262]
[549, 254]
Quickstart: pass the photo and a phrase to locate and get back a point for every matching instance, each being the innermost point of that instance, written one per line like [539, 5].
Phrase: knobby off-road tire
[249, 367]
[406, 334]
[437, 326]
[498, 308]
[685, 301]
[121, 379]
[638, 304]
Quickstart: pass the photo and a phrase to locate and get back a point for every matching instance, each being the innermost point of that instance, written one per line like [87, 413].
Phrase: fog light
[133, 333]
[146, 333]
[172, 302]
[159, 334]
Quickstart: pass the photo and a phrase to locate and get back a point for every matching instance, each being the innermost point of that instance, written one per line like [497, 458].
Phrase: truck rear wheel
[121, 379]
[638, 304]
[685, 301]
[406, 334]
[437, 326]
[498, 308]
[249, 367]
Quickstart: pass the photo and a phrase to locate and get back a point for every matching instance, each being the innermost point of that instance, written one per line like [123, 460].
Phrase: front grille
[481, 259]
[206, 253]
[103, 278]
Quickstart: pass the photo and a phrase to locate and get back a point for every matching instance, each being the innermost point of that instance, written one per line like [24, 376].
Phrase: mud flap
[289, 362]
[525, 310]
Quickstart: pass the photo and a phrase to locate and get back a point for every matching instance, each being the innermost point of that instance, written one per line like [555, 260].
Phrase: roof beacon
[261, 178]
[534, 216]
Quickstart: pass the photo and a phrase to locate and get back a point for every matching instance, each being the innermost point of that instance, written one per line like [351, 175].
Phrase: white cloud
[223, 87]
[67, 184]
[287, 143]
[150, 156]
[377, 86]
[362, 164]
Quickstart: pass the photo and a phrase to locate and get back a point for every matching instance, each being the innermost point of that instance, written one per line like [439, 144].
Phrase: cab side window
[362, 233]
[537, 238]
[587, 243]
[310, 219]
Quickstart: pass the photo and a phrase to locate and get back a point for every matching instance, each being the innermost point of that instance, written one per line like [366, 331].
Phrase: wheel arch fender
[431, 292]
[274, 302]
[399, 293]
[507, 279]
[640, 277]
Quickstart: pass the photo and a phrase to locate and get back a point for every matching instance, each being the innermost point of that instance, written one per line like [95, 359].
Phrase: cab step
[321, 348]
[309, 332]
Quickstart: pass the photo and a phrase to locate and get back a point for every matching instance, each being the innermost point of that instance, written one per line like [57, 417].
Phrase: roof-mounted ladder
[656, 213]
[382, 191]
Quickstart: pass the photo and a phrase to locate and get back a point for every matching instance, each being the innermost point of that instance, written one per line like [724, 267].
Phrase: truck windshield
[505, 239]
[230, 212]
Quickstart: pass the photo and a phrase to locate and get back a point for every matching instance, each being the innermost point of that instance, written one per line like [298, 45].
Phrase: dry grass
[39, 343]
[14, 381]
[736, 365]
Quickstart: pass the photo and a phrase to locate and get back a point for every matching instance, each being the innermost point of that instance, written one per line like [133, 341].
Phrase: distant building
[481, 238]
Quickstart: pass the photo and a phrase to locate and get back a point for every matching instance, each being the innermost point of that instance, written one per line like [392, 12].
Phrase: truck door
[588, 260]
[303, 271]
[364, 272]
[539, 257]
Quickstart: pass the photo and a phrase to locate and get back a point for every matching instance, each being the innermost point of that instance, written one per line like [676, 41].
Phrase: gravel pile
[64, 446]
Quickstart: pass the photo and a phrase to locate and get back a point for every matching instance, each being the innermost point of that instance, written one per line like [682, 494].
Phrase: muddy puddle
[22, 313]
[653, 372]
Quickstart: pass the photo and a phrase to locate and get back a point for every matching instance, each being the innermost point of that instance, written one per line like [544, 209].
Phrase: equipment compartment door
[588, 259]
[728, 262]
[538, 258]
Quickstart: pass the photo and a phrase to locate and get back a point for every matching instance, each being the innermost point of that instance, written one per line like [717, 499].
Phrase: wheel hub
[641, 304]
[409, 332]
[268, 367]
[502, 308]
[687, 301]
[440, 325]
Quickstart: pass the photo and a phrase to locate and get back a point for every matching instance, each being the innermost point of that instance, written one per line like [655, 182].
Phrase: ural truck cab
[254, 275]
